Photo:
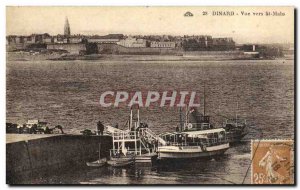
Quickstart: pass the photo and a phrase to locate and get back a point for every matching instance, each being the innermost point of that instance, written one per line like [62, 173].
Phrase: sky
[156, 21]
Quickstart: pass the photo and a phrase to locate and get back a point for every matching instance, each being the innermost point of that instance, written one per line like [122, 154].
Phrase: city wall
[15, 47]
[75, 48]
[218, 55]
[120, 50]
[201, 55]
[93, 48]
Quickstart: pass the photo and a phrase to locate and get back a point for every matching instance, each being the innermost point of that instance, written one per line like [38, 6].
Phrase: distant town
[136, 44]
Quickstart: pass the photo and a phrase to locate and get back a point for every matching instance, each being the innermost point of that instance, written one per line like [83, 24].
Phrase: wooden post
[130, 125]
[113, 142]
[140, 147]
[138, 117]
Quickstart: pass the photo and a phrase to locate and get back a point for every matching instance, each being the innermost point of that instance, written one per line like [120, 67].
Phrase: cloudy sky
[156, 20]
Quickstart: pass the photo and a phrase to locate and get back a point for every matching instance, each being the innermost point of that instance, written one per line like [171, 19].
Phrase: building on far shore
[198, 42]
[103, 41]
[76, 39]
[223, 44]
[108, 39]
[162, 44]
[48, 40]
[132, 42]
[76, 44]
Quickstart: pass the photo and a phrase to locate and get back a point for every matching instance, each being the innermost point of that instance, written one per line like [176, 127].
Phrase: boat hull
[98, 163]
[145, 158]
[92, 164]
[234, 138]
[120, 162]
[174, 152]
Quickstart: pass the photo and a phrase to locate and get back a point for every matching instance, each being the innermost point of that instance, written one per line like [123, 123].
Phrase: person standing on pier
[100, 128]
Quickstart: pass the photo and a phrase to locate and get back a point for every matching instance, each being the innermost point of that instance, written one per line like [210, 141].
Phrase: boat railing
[130, 152]
[208, 143]
[149, 135]
[196, 126]
[124, 135]
[119, 153]
[235, 121]
[190, 144]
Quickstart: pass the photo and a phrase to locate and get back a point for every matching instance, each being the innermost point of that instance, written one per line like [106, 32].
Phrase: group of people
[34, 129]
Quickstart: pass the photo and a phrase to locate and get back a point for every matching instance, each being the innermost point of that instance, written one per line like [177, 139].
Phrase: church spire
[67, 31]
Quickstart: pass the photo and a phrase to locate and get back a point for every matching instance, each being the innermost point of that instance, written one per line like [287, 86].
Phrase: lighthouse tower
[67, 31]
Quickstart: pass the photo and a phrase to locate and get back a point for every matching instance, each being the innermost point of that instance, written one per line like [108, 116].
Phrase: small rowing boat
[98, 163]
[121, 161]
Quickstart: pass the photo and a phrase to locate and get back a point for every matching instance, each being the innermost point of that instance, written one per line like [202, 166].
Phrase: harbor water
[68, 92]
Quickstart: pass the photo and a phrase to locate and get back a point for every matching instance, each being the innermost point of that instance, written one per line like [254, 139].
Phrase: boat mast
[180, 119]
[138, 116]
[186, 116]
[236, 114]
[130, 123]
[204, 101]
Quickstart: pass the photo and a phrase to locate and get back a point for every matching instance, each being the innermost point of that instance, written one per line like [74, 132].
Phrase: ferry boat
[235, 129]
[199, 140]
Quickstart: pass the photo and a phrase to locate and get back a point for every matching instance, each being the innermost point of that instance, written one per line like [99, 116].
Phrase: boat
[235, 129]
[98, 163]
[195, 138]
[120, 161]
[194, 141]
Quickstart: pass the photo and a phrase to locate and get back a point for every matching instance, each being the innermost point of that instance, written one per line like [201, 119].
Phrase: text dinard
[247, 13]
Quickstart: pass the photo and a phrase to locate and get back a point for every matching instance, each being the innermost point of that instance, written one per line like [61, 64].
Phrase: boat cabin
[200, 123]
[209, 137]
[234, 124]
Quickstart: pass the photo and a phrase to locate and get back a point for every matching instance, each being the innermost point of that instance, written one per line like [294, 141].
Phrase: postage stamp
[272, 162]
